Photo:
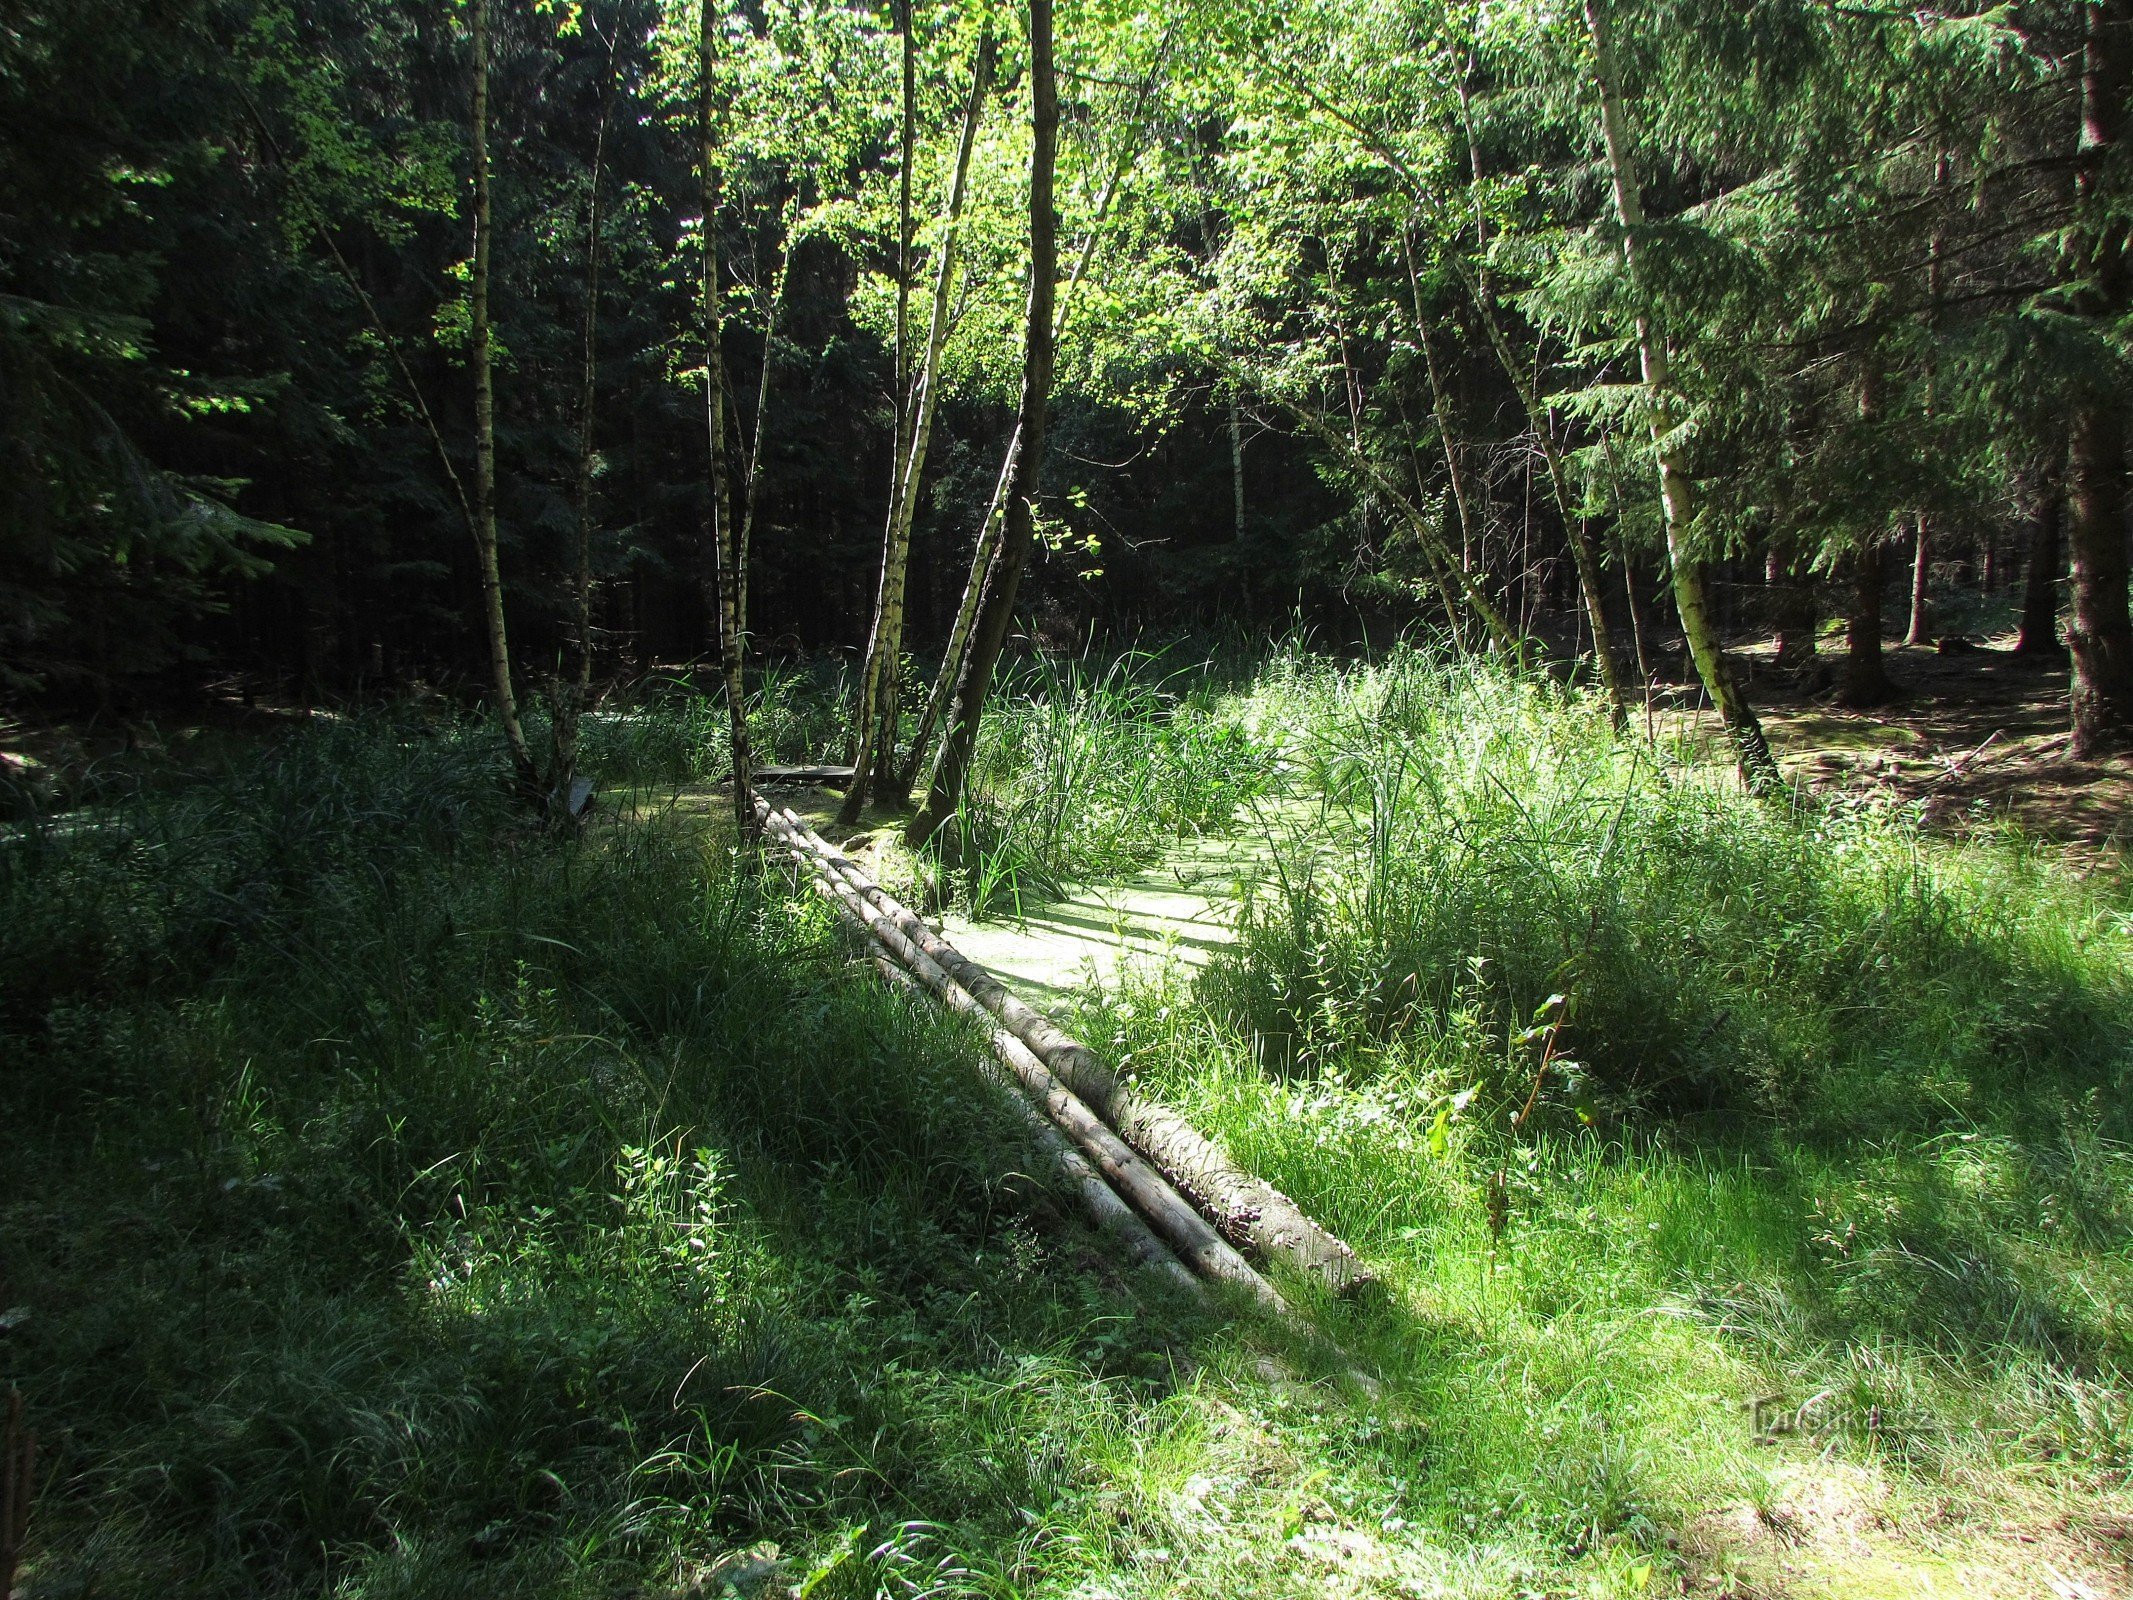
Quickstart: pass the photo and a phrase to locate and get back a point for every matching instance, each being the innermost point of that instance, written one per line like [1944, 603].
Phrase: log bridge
[1171, 1198]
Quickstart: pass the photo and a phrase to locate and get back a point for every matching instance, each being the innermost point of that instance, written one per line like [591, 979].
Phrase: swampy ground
[394, 1201]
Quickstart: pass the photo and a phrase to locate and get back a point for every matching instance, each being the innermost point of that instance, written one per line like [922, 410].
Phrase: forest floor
[1977, 737]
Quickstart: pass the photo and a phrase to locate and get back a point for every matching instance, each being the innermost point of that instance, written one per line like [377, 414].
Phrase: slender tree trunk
[1917, 629]
[1640, 622]
[864, 711]
[996, 609]
[1640, 617]
[1577, 532]
[753, 480]
[880, 682]
[2099, 631]
[1454, 454]
[1866, 680]
[1758, 769]
[492, 584]
[724, 568]
[570, 703]
[1469, 589]
[907, 158]
[988, 542]
[2039, 635]
[957, 648]
[1236, 469]
[1920, 625]
[1585, 557]
[1440, 410]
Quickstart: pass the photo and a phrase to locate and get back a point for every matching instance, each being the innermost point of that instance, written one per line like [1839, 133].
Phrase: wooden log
[1111, 1215]
[1103, 1201]
[1182, 1228]
[1245, 1208]
[1099, 1201]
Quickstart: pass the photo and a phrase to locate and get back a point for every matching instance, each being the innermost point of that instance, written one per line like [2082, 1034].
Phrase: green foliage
[1461, 843]
[413, 1205]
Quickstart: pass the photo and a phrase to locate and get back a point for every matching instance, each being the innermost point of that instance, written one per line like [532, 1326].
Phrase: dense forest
[1515, 322]
[1091, 798]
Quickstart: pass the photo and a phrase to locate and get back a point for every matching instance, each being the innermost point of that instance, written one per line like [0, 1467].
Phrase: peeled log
[1099, 1200]
[1181, 1228]
[1246, 1209]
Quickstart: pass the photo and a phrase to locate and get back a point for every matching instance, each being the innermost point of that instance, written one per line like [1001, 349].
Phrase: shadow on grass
[503, 1215]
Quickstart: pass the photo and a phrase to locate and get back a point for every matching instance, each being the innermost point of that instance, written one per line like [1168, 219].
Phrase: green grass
[397, 1202]
[1824, 1112]
[1089, 771]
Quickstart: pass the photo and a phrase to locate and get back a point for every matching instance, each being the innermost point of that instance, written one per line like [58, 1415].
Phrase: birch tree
[481, 343]
[1758, 769]
[996, 608]
[724, 585]
[880, 678]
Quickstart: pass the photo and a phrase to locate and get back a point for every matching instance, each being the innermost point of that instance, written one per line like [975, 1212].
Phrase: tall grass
[1091, 770]
[1465, 853]
[392, 1201]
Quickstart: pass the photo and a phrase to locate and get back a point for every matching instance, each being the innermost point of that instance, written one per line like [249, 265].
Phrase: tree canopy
[1358, 309]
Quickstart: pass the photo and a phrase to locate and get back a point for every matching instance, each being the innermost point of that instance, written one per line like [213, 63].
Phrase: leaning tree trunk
[754, 476]
[2099, 631]
[2039, 635]
[725, 575]
[479, 336]
[752, 480]
[957, 649]
[1758, 769]
[996, 609]
[879, 681]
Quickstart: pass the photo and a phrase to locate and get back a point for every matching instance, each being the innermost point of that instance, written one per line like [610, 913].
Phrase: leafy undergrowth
[395, 1203]
[1688, 1130]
